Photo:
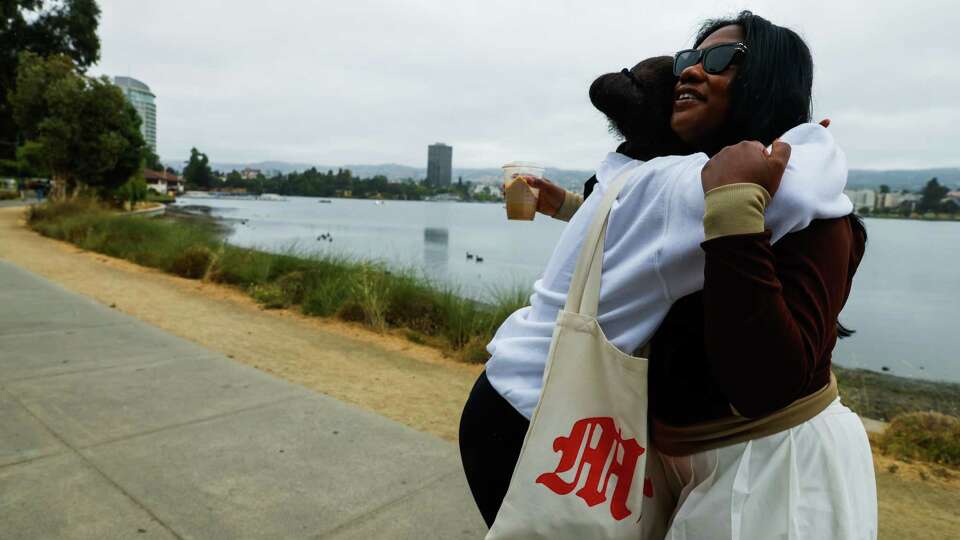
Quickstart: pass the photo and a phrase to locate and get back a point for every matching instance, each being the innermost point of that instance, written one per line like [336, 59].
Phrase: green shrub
[292, 286]
[282, 293]
[9, 195]
[325, 298]
[926, 436]
[131, 192]
[242, 266]
[462, 318]
[192, 262]
[352, 311]
[270, 295]
[413, 304]
[371, 292]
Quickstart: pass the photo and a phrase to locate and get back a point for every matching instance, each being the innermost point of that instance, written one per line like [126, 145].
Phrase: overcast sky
[376, 81]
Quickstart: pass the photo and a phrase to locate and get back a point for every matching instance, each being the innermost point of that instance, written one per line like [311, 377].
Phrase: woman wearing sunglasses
[752, 441]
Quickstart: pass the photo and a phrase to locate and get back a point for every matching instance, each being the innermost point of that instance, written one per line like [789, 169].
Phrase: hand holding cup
[551, 195]
[521, 197]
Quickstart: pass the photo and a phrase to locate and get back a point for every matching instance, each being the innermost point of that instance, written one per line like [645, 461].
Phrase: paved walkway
[111, 428]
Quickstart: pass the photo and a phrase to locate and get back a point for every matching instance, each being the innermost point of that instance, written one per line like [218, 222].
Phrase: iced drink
[521, 198]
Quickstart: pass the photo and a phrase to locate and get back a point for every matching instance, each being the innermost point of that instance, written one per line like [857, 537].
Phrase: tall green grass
[368, 292]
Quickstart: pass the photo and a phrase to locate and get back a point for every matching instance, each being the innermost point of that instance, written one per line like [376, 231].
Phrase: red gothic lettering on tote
[596, 442]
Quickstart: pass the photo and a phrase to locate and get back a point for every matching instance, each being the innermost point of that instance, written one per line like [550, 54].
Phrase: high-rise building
[144, 101]
[439, 164]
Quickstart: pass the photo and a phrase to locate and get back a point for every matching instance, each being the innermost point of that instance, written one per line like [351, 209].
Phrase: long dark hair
[771, 92]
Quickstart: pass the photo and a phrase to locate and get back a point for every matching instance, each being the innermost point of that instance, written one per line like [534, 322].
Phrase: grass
[323, 285]
[927, 216]
[883, 396]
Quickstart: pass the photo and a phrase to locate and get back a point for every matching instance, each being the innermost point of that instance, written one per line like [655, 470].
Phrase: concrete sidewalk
[111, 428]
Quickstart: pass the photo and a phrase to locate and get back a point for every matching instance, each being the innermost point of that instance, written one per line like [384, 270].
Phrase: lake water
[905, 302]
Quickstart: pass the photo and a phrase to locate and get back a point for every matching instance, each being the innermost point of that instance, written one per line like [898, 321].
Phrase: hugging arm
[770, 311]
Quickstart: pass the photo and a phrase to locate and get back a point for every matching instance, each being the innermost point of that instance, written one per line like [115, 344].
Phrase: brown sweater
[767, 314]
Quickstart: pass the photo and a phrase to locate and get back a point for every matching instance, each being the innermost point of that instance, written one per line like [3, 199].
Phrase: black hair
[771, 92]
[858, 227]
[638, 103]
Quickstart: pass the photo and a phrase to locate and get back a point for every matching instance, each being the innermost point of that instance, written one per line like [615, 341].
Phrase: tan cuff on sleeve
[571, 202]
[734, 209]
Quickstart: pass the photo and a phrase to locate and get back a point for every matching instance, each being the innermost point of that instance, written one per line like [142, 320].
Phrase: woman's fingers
[538, 183]
[551, 195]
[779, 156]
[532, 181]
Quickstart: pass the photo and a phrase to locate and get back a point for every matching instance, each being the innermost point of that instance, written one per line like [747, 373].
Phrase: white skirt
[814, 481]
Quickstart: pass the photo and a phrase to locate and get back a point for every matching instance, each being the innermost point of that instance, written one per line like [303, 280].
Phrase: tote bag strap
[584, 294]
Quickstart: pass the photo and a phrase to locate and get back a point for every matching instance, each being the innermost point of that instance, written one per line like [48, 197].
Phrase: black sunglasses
[715, 59]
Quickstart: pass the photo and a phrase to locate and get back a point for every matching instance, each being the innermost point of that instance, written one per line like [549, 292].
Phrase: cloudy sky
[376, 81]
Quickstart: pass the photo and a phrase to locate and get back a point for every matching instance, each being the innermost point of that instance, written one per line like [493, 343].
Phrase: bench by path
[111, 428]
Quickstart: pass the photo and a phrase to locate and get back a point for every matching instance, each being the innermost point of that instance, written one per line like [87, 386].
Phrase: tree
[132, 192]
[931, 196]
[29, 102]
[197, 173]
[884, 188]
[151, 160]
[82, 129]
[950, 206]
[47, 28]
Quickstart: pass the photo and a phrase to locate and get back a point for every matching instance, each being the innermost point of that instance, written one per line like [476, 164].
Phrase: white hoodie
[652, 254]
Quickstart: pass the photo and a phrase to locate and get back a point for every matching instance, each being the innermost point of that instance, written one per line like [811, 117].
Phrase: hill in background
[573, 179]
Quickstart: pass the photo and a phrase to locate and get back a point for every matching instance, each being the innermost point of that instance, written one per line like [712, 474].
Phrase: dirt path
[412, 384]
[415, 385]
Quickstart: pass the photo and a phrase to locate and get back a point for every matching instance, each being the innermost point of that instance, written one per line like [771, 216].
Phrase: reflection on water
[436, 251]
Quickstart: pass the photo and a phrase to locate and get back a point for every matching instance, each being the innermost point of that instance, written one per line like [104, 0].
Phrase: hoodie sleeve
[770, 312]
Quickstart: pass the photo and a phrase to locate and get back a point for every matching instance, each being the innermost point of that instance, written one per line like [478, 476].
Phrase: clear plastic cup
[520, 197]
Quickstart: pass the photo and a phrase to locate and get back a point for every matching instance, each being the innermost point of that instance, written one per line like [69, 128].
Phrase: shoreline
[884, 216]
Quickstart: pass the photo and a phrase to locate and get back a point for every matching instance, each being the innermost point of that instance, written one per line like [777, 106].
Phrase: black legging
[491, 435]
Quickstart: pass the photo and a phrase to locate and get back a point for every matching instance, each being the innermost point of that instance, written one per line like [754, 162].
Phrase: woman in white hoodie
[731, 292]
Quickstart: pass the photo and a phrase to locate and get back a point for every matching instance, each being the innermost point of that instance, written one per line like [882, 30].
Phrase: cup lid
[529, 164]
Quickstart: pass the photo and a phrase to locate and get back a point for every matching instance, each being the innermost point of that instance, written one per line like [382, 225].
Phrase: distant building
[907, 201]
[250, 174]
[862, 198]
[163, 182]
[144, 101]
[955, 201]
[439, 165]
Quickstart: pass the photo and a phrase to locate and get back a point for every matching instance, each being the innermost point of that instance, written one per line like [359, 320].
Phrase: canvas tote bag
[582, 466]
